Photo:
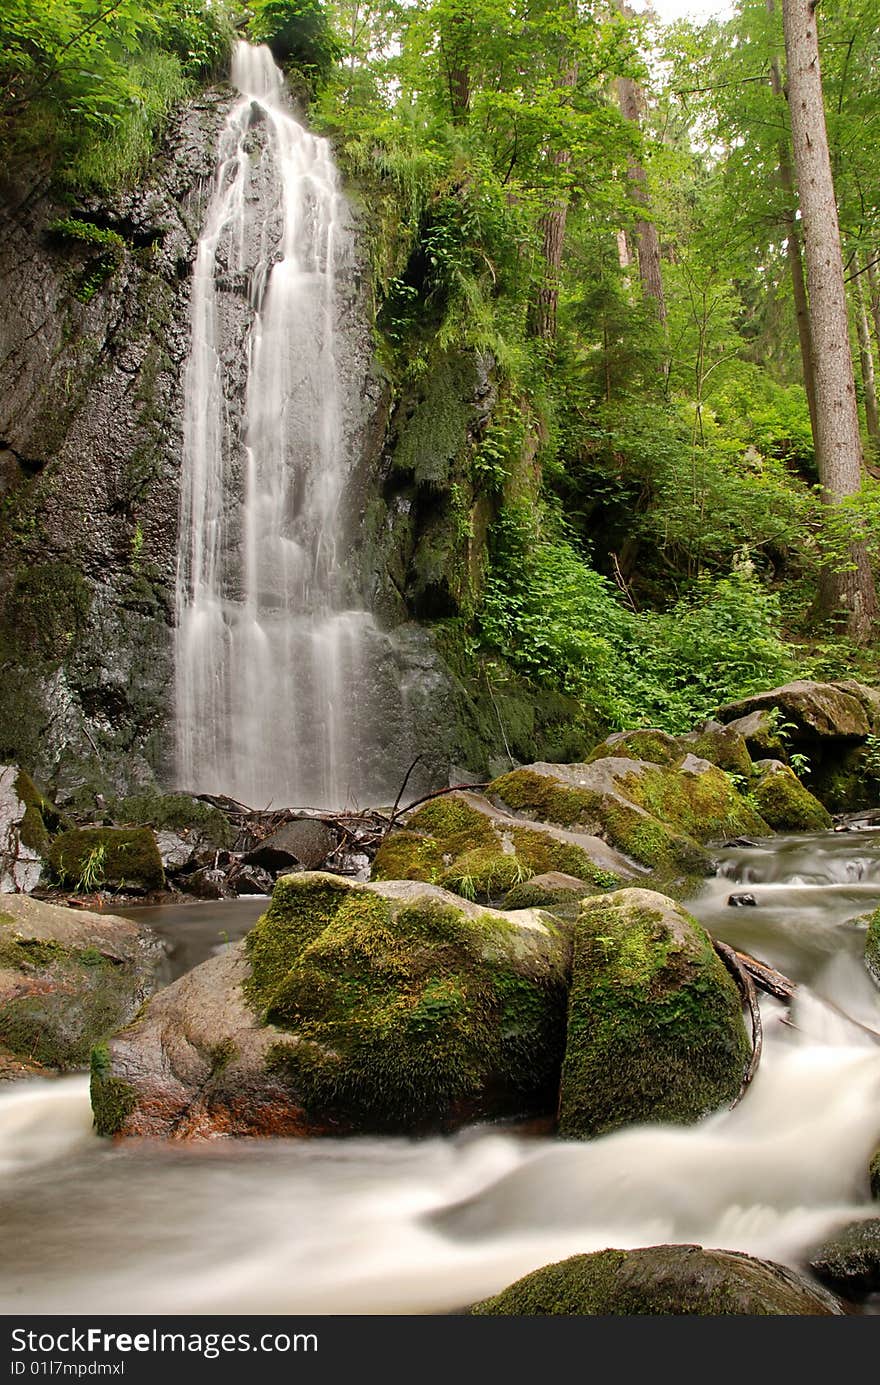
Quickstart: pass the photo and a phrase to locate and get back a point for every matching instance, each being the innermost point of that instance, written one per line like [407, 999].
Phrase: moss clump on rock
[605, 804]
[849, 1260]
[479, 853]
[88, 857]
[112, 1099]
[874, 1174]
[872, 947]
[32, 829]
[68, 978]
[697, 799]
[655, 1026]
[783, 801]
[671, 1280]
[406, 1008]
[175, 812]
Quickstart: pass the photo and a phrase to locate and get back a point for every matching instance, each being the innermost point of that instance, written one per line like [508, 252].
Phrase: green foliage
[299, 34]
[85, 87]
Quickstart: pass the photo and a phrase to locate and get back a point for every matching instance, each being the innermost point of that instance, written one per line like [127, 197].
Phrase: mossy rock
[655, 1025]
[718, 744]
[659, 816]
[872, 947]
[175, 812]
[350, 1009]
[676, 1280]
[89, 857]
[783, 801]
[652, 745]
[849, 1260]
[68, 978]
[554, 890]
[874, 1174]
[460, 842]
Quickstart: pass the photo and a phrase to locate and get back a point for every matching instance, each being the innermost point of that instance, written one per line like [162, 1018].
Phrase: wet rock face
[348, 1009]
[90, 426]
[673, 1280]
[68, 978]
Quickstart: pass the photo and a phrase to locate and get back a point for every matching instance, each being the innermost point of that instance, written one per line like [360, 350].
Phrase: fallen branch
[743, 979]
[765, 978]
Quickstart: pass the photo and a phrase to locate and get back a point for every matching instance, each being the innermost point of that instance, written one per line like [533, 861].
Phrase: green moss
[670, 1280]
[703, 806]
[436, 430]
[69, 998]
[723, 748]
[175, 812]
[408, 856]
[407, 1014]
[657, 747]
[39, 814]
[872, 947]
[302, 907]
[221, 1055]
[532, 895]
[88, 857]
[113, 1100]
[786, 805]
[485, 873]
[655, 1028]
[46, 609]
[549, 799]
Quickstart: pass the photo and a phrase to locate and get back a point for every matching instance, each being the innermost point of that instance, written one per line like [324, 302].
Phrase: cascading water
[274, 662]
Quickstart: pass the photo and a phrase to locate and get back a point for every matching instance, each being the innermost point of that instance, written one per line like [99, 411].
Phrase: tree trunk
[646, 238]
[552, 229]
[874, 293]
[866, 358]
[793, 255]
[454, 43]
[849, 595]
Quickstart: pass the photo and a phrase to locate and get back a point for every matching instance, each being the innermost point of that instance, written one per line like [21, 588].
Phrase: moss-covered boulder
[872, 947]
[678, 1280]
[655, 1026]
[87, 858]
[874, 1174]
[554, 890]
[813, 710]
[849, 1261]
[660, 816]
[68, 978]
[347, 1009]
[783, 801]
[464, 844]
[720, 745]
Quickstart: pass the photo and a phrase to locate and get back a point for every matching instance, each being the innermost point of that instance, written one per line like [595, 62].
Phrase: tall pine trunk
[793, 252]
[646, 237]
[850, 594]
[866, 358]
[552, 231]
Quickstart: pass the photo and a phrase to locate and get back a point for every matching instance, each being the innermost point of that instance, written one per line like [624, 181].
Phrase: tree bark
[646, 238]
[793, 254]
[874, 293]
[848, 595]
[552, 229]
[866, 358]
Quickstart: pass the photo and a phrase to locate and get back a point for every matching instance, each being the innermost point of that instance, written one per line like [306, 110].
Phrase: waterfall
[274, 661]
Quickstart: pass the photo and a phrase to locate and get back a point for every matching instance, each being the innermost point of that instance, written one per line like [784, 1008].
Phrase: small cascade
[276, 664]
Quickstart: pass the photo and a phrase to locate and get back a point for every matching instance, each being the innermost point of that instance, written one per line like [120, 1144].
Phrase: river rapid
[404, 1226]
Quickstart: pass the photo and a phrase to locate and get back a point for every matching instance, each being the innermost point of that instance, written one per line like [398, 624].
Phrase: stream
[402, 1226]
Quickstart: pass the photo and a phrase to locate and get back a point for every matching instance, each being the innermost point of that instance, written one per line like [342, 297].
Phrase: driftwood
[733, 961]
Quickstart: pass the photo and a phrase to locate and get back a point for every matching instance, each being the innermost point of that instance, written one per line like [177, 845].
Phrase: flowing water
[392, 1225]
[275, 663]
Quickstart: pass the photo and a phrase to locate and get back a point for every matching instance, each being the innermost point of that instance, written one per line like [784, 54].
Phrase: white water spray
[272, 660]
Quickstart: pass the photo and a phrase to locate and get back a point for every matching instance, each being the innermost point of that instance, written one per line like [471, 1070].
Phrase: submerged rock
[121, 857]
[68, 978]
[347, 1009]
[784, 802]
[849, 1261]
[464, 844]
[676, 1280]
[658, 815]
[655, 1025]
